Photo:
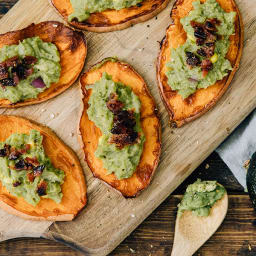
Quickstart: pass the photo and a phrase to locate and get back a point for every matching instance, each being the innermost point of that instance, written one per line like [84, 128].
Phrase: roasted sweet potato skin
[112, 20]
[71, 45]
[183, 111]
[62, 157]
[122, 72]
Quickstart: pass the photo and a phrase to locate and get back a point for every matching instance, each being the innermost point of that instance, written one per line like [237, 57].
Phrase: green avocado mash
[47, 67]
[121, 162]
[200, 197]
[183, 78]
[26, 171]
[83, 8]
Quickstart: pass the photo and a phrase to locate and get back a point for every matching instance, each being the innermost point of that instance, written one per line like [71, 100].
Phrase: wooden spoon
[191, 232]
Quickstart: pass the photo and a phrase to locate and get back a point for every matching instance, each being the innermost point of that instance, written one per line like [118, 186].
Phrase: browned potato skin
[122, 72]
[112, 20]
[183, 111]
[62, 157]
[73, 50]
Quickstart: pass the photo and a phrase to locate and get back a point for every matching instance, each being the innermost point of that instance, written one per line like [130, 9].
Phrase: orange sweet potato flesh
[183, 111]
[72, 48]
[62, 157]
[111, 20]
[122, 72]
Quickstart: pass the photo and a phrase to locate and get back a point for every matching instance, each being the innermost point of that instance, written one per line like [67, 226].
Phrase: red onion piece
[193, 80]
[38, 83]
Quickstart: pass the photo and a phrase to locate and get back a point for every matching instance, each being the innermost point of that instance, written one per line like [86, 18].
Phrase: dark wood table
[236, 236]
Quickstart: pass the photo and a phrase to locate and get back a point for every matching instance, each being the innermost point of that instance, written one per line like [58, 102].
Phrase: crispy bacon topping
[38, 170]
[205, 34]
[30, 176]
[19, 70]
[206, 66]
[20, 165]
[14, 155]
[114, 105]
[3, 72]
[32, 161]
[5, 151]
[41, 189]
[192, 59]
[123, 125]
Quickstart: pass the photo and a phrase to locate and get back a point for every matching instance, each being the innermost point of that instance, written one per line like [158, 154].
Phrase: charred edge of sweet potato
[127, 22]
[76, 38]
[228, 78]
[26, 214]
[156, 114]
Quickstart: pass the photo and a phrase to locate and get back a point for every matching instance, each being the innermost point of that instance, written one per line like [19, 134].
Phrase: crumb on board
[207, 166]
[132, 251]
[249, 247]
[246, 164]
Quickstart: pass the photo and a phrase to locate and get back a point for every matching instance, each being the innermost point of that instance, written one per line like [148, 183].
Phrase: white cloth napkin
[239, 147]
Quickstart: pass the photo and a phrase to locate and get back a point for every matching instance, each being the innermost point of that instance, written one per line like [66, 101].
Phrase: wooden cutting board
[108, 217]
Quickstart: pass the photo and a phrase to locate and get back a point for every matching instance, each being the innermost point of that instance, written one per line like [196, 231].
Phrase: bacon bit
[41, 189]
[32, 161]
[5, 151]
[3, 71]
[29, 72]
[113, 104]
[30, 176]
[12, 62]
[29, 60]
[20, 165]
[14, 155]
[206, 66]
[16, 184]
[38, 170]
[192, 59]
[26, 149]
[123, 139]
[16, 79]
[7, 82]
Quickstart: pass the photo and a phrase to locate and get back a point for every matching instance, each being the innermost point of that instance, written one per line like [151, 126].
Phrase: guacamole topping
[25, 170]
[200, 197]
[82, 9]
[115, 110]
[28, 69]
[201, 60]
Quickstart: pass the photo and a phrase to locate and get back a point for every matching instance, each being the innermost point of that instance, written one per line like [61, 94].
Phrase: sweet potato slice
[183, 111]
[71, 45]
[62, 157]
[122, 72]
[112, 20]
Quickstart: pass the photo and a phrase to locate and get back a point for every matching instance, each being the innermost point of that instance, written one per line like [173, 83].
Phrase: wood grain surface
[155, 235]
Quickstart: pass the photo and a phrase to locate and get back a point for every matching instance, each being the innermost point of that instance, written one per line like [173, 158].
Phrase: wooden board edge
[108, 248]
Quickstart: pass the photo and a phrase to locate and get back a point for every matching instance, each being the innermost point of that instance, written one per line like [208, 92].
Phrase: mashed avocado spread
[200, 62]
[25, 170]
[83, 8]
[200, 197]
[115, 109]
[28, 68]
